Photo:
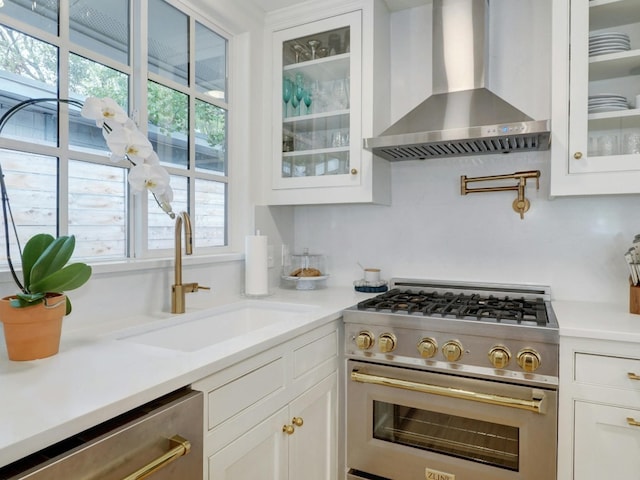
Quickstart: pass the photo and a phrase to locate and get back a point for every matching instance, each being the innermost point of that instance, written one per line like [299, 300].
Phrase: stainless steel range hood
[462, 117]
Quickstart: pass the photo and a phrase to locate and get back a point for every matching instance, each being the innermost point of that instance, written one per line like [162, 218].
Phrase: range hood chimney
[461, 117]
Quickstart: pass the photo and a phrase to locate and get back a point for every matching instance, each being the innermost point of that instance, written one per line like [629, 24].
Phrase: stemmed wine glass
[295, 103]
[287, 92]
[313, 45]
[307, 100]
[299, 88]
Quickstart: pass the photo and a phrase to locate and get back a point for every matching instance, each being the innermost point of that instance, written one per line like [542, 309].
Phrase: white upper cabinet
[596, 90]
[329, 80]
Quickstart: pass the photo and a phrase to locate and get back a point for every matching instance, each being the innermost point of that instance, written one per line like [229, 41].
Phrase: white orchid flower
[128, 142]
[148, 177]
[103, 109]
[152, 159]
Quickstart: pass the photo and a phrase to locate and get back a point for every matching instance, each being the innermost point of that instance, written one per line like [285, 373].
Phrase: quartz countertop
[96, 376]
[600, 321]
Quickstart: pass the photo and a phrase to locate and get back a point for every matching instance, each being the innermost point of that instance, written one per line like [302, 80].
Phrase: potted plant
[32, 318]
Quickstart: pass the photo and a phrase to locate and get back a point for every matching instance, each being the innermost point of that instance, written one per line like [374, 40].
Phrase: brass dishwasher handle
[534, 405]
[633, 422]
[180, 446]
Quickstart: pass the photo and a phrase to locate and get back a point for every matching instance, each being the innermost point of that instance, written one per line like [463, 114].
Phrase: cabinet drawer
[615, 372]
[233, 397]
[313, 354]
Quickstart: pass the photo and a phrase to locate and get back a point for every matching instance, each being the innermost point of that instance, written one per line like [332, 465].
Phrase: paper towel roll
[256, 281]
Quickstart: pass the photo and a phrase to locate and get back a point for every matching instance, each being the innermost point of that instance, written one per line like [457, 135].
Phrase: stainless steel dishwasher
[160, 440]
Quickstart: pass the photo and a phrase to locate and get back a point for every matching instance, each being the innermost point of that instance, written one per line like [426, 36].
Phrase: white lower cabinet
[274, 416]
[268, 453]
[599, 414]
[605, 442]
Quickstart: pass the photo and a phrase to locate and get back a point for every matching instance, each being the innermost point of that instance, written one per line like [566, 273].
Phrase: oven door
[405, 424]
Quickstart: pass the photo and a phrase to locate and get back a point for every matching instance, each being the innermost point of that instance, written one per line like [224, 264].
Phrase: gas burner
[520, 310]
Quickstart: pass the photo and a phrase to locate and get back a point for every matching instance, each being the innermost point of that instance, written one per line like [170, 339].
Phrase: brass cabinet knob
[297, 421]
[577, 155]
[288, 429]
[427, 347]
[452, 350]
[354, 171]
[528, 359]
[499, 356]
[387, 342]
[365, 340]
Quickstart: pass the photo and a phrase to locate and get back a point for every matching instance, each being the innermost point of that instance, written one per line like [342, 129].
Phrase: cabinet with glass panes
[320, 80]
[596, 149]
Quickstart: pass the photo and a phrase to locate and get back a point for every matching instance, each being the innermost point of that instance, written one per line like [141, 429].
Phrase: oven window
[462, 437]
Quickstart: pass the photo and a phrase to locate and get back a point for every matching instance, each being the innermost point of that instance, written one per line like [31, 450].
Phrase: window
[57, 167]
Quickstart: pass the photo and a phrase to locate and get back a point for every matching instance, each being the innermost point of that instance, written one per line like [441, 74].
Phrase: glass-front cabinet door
[604, 103]
[317, 124]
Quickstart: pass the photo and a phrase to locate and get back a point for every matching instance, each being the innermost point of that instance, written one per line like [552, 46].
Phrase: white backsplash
[575, 245]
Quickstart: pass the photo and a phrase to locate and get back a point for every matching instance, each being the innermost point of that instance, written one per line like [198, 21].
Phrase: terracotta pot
[33, 332]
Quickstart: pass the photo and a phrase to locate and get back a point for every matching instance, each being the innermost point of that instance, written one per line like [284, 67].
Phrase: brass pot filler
[520, 204]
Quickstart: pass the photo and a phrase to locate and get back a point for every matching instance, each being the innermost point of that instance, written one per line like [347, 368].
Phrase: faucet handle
[193, 287]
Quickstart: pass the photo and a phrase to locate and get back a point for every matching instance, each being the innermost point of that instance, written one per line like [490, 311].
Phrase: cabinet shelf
[612, 120]
[315, 151]
[301, 120]
[612, 13]
[614, 65]
[335, 66]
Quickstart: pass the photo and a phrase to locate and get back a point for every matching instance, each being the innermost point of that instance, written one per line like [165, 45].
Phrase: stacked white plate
[607, 102]
[611, 42]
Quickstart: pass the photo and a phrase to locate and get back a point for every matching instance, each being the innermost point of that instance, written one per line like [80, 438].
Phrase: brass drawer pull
[633, 422]
[633, 376]
[533, 405]
[179, 447]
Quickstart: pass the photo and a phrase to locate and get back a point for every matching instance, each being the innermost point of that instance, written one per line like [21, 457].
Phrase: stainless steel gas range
[452, 381]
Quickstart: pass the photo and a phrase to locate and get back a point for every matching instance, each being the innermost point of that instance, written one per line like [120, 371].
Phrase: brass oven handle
[534, 405]
[180, 446]
[633, 376]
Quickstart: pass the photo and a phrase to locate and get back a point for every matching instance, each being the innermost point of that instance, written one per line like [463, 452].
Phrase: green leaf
[51, 260]
[26, 299]
[69, 278]
[32, 252]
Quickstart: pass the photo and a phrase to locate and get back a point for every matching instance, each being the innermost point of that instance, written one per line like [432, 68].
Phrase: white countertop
[95, 376]
[600, 321]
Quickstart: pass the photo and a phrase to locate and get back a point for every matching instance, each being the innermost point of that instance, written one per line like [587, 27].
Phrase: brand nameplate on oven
[430, 474]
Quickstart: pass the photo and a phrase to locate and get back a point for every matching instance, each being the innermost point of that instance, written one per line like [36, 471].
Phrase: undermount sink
[191, 333]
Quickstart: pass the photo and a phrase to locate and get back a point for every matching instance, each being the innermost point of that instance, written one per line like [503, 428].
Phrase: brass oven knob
[499, 356]
[365, 340]
[528, 359]
[427, 347]
[452, 350]
[387, 342]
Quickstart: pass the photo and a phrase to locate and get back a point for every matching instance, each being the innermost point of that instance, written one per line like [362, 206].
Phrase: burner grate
[458, 305]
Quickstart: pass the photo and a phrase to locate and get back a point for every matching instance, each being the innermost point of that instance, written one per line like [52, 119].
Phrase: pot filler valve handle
[520, 204]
